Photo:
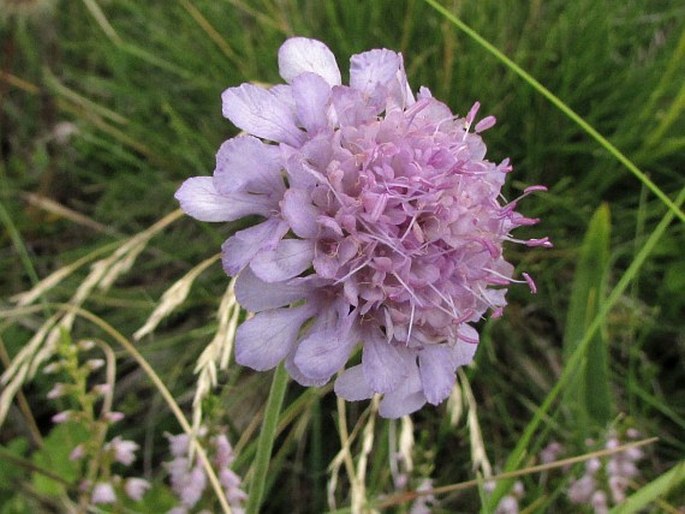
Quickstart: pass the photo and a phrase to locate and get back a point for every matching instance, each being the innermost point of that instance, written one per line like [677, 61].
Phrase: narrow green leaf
[266, 438]
[590, 388]
[654, 490]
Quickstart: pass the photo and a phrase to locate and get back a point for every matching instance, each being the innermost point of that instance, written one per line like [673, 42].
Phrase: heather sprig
[103, 460]
[607, 482]
[187, 476]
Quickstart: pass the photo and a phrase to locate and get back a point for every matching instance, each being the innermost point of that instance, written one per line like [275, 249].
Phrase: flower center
[409, 228]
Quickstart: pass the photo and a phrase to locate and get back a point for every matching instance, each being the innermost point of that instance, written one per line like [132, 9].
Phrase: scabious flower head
[382, 225]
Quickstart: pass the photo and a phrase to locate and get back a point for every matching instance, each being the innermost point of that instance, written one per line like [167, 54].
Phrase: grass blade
[590, 388]
[561, 105]
[266, 438]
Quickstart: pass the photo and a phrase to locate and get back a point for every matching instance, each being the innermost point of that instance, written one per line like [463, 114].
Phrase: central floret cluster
[382, 227]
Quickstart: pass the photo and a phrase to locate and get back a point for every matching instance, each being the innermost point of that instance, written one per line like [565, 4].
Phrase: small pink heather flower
[100, 389]
[178, 444]
[113, 416]
[424, 503]
[135, 488]
[551, 452]
[62, 417]
[77, 453]
[382, 226]
[607, 483]
[57, 391]
[188, 480]
[123, 451]
[103, 492]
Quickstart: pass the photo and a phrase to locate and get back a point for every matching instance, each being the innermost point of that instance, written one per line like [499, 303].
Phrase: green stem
[266, 438]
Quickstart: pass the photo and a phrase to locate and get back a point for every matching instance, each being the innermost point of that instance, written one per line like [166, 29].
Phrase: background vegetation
[105, 107]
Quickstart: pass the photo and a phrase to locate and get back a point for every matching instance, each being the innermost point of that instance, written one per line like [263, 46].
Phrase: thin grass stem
[559, 104]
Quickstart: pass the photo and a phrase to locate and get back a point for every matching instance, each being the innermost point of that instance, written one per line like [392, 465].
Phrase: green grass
[141, 82]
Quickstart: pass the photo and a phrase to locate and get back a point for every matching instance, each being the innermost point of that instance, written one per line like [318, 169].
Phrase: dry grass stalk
[218, 351]
[42, 345]
[479, 456]
[173, 297]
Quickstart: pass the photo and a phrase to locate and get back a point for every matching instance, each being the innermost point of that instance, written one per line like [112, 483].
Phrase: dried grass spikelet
[455, 405]
[406, 445]
[479, 456]
[356, 475]
[42, 345]
[123, 259]
[55, 278]
[217, 352]
[18, 371]
[359, 491]
[173, 297]
[401, 452]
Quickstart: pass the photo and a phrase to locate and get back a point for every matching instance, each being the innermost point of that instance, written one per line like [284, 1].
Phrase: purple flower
[62, 417]
[123, 450]
[135, 488]
[382, 225]
[113, 416]
[77, 453]
[103, 492]
[187, 482]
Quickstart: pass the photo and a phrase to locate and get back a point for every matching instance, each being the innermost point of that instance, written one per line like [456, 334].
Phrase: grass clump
[107, 106]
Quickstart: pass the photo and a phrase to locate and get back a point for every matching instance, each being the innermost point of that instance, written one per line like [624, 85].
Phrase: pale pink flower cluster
[423, 504]
[120, 451]
[107, 486]
[509, 503]
[604, 482]
[189, 480]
